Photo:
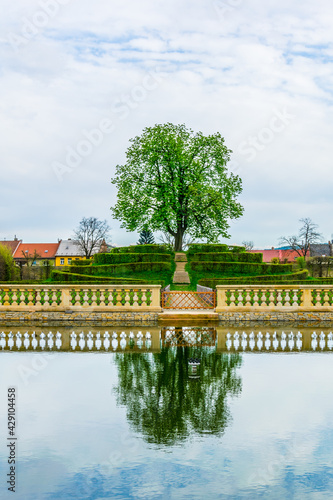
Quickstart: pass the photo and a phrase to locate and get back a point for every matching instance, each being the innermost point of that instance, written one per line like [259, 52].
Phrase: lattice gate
[188, 300]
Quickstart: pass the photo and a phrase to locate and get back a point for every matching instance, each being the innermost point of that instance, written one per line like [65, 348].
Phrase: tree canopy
[146, 237]
[176, 181]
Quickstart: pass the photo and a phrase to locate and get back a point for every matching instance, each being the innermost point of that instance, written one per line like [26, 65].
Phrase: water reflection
[153, 339]
[165, 403]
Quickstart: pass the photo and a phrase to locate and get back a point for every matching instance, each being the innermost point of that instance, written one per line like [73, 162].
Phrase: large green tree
[176, 181]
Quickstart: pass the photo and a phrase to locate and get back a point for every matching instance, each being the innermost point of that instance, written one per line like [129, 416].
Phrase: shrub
[7, 264]
[142, 249]
[213, 248]
[66, 277]
[123, 258]
[293, 278]
[239, 268]
[227, 257]
[83, 262]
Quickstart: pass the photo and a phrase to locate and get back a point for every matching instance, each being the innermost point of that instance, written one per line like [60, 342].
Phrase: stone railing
[274, 297]
[80, 298]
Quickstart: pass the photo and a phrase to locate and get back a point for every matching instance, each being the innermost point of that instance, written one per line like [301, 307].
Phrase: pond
[173, 412]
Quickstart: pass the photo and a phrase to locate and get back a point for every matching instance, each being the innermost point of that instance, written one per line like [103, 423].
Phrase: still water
[172, 413]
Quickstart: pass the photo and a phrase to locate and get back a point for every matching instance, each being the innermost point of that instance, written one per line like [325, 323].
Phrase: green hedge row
[64, 277]
[142, 249]
[239, 268]
[123, 258]
[254, 280]
[83, 262]
[213, 248]
[120, 269]
[227, 257]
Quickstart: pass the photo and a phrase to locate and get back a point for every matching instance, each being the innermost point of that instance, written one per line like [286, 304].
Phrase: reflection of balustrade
[79, 297]
[135, 340]
[274, 297]
[139, 339]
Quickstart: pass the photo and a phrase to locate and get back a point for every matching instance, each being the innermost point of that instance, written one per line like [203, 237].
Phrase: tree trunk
[179, 241]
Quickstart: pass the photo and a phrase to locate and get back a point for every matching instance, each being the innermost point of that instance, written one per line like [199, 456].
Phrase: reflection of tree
[164, 404]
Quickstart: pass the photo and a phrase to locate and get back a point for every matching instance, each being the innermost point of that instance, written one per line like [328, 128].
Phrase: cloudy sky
[80, 78]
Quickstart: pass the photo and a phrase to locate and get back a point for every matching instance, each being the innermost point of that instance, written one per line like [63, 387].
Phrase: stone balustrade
[274, 297]
[80, 298]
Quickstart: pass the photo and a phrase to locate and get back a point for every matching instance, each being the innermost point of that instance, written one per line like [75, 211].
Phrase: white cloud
[227, 70]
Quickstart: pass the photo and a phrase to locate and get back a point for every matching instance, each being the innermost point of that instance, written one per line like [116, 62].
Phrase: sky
[79, 79]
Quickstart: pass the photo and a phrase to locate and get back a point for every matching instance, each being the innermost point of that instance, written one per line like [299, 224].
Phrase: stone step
[180, 257]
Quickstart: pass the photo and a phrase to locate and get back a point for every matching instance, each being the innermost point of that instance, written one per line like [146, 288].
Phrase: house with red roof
[283, 254]
[12, 245]
[39, 253]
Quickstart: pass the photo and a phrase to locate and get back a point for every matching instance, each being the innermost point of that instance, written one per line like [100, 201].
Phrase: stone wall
[276, 317]
[72, 318]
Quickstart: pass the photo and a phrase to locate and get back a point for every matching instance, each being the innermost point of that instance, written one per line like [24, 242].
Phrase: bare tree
[307, 235]
[248, 245]
[90, 235]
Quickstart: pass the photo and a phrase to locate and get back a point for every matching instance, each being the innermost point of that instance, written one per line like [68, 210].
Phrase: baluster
[232, 298]
[127, 298]
[318, 298]
[135, 298]
[326, 298]
[14, 297]
[85, 297]
[279, 299]
[271, 298]
[38, 297]
[6, 297]
[77, 298]
[255, 298]
[248, 298]
[93, 297]
[287, 298]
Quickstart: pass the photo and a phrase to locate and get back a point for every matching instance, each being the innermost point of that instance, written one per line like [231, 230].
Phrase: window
[62, 262]
[69, 261]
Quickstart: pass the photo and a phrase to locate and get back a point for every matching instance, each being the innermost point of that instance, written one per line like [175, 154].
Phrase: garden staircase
[181, 276]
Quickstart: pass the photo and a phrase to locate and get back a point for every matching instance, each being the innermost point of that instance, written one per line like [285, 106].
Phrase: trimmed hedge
[142, 249]
[228, 257]
[83, 262]
[213, 248]
[126, 268]
[124, 258]
[64, 277]
[239, 268]
[293, 278]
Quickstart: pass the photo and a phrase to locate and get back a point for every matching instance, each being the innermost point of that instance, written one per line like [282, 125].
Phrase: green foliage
[254, 280]
[146, 237]
[301, 263]
[239, 268]
[175, 181]
[7, 264]
[66, 277]
[122, 258]
[124, 268]
[83, 262]
[227, 257]
[212, 248]
[141, 249]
